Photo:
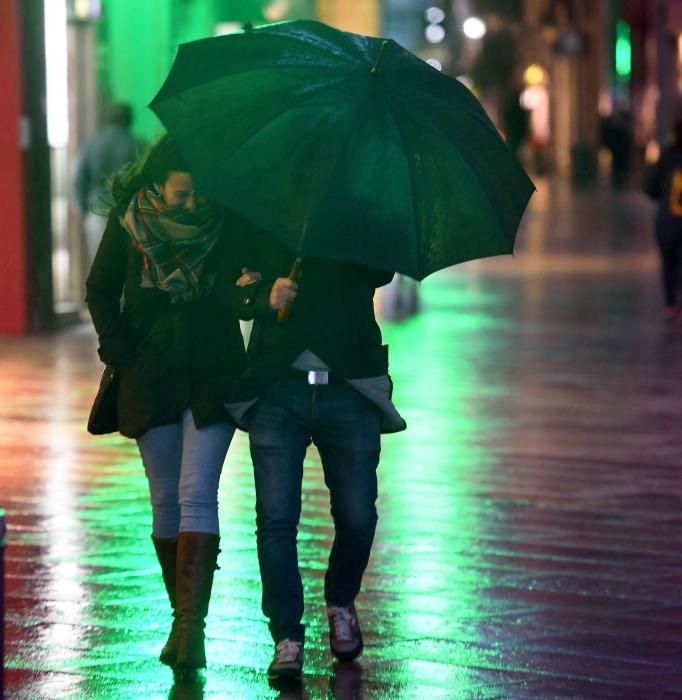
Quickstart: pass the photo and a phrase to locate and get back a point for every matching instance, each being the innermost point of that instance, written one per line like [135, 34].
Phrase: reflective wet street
[530, 533]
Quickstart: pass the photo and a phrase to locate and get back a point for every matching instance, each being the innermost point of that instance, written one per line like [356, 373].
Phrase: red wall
[13, 300]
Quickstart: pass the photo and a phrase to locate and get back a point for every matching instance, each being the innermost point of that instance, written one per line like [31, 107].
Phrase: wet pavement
[530, 534]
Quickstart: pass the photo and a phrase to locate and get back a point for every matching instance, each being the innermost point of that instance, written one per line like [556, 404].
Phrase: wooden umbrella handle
[294, 276]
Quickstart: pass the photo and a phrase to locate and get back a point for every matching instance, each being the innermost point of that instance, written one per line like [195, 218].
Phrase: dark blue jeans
[669, 239]
[345, 428]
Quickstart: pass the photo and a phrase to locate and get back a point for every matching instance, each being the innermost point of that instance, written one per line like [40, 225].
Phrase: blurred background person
[663, 182]
[617, 138]
[515, 121]
[99, 159]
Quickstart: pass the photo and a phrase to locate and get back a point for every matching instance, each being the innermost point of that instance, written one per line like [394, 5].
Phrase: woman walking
[165, 292]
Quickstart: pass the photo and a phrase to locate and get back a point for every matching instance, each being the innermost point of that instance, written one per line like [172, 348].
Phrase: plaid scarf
[174, 244]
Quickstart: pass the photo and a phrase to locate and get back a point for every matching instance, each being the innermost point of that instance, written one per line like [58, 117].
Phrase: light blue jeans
[183, 466]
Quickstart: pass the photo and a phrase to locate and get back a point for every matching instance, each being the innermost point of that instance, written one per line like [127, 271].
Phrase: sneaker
[345, 638]
[287, 663]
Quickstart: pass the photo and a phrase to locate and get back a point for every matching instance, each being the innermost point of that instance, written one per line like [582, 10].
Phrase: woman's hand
[282, 293]
[248, 277]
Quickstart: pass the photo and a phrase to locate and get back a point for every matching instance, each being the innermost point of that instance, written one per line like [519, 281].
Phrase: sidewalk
[530, 532]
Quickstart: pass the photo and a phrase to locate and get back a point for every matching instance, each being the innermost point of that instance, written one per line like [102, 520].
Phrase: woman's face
[178, 191]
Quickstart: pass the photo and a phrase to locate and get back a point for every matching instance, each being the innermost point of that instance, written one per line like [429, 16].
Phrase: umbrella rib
[188, 49]
[409, 169]
[283, 111]
[331, 170]
[476, 112]
[472, 170]
[471, 105]
[467, 160]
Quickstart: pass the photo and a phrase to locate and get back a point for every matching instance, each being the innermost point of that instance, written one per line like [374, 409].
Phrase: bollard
[2, 601]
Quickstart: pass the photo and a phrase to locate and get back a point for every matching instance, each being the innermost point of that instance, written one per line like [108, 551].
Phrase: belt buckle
[316, 376]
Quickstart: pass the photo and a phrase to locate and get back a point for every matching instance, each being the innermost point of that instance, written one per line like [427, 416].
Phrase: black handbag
[103, 414]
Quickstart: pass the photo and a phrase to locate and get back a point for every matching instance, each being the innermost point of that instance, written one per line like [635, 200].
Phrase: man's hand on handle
[283, 291]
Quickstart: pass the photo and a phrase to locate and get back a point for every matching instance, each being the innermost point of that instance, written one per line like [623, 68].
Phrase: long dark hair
[153, 166]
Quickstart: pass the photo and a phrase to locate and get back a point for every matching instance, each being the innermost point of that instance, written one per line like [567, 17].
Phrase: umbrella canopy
[344, 146]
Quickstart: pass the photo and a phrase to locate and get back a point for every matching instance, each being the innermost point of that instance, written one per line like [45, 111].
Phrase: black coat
[171, 357]
[333, 316]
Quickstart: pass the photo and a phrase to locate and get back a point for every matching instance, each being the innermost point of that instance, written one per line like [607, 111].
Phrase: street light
[474, 28]
[434, 32]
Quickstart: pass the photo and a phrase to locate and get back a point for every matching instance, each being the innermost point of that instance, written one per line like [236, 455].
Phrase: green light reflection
[432, 475]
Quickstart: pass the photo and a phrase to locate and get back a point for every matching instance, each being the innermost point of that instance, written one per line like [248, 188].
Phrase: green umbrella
[344, 146]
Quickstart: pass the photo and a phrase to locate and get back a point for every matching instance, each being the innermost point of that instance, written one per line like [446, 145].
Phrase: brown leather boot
[167, 554]
[197, 557]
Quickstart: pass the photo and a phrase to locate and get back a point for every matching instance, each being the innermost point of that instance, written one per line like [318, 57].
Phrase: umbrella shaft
[293, 275]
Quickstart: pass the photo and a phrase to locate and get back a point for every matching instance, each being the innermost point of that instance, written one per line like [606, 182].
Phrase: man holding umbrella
[322, 377]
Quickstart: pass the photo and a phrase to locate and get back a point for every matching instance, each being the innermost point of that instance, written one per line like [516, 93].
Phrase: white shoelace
[287, 651]
[342, 621]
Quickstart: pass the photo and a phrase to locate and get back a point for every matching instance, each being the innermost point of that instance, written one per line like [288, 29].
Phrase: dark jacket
[170, 357]
[663, 182]
[333, 316]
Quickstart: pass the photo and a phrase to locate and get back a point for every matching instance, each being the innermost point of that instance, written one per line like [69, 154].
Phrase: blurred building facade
[550, 73]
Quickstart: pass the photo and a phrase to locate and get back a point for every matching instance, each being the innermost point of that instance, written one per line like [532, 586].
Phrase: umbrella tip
[248, 27]
[379, 57]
